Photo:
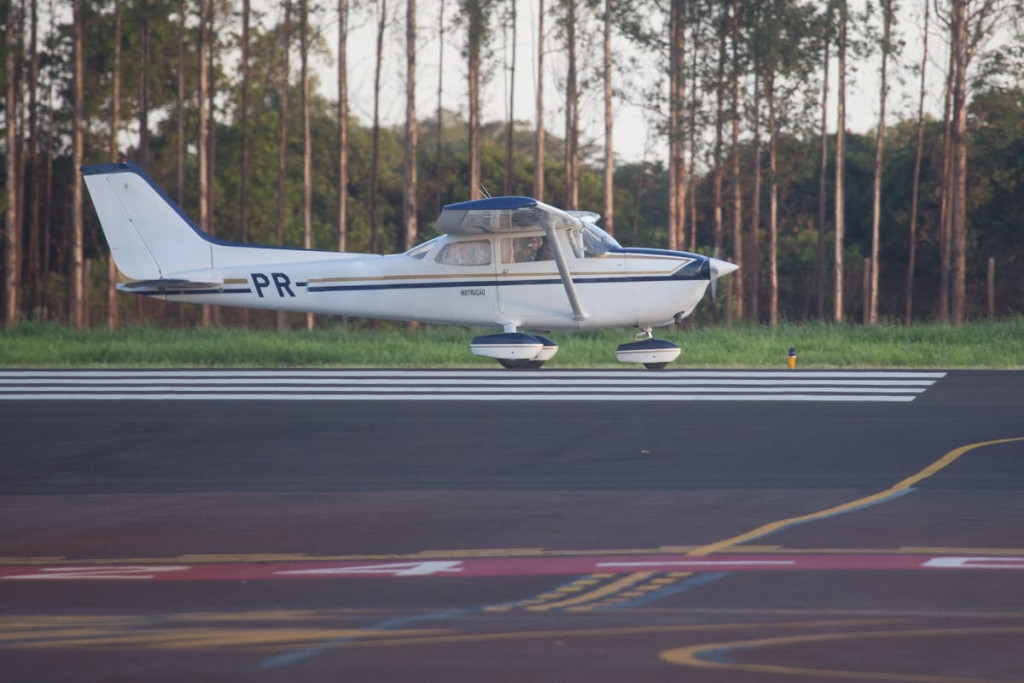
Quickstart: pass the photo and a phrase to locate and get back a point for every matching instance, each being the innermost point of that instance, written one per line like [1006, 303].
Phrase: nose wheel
[653, 353]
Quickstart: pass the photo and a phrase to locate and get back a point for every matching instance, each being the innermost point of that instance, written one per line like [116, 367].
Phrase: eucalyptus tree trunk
[754, 266]
[77, 219]
[243, 202]
[144, 86]
[204, 87]
[115, 129]
[879, 161]
[410, 204]
[180, 104]
[915, 190]
[737, 196]
[773, 204]
[342, 230]
[947, 191]
[474, 38]
[717, 171]
[677, 104]
[609, 125]
[822, 185]
[243, 199]
[510, 125]
[282, 143]
[538, 174]
[211, 131]
[439, 143]
[375, 242]
[32, 177]
[840, 206]
[12, 244]
[958, 215]
[307, 141]
[572, 119]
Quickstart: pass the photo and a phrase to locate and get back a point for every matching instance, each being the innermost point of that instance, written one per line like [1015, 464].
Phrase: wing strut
[563, 269]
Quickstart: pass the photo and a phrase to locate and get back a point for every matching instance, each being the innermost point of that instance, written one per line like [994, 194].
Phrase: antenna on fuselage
[484, 192]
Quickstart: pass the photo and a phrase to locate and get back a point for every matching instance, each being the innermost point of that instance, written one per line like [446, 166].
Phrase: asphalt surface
[116, 516]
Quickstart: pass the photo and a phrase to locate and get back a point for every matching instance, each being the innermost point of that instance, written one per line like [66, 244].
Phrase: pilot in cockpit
[530, 248]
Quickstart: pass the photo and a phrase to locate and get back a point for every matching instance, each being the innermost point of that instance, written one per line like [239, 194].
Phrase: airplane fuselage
[623, 287]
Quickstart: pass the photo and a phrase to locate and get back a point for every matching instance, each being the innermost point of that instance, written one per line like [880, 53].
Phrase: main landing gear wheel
[515, 350]
[520, 363]
[655, 354]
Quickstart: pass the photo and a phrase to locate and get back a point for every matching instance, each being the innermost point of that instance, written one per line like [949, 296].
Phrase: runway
[462, 385]
[515, 538]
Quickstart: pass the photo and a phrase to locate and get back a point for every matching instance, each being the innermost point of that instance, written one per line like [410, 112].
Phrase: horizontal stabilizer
[170, 284]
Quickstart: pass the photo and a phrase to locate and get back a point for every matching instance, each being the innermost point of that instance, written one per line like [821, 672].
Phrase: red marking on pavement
[511, 566]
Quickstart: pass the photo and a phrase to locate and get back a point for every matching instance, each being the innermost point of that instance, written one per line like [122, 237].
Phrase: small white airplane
[511, 262]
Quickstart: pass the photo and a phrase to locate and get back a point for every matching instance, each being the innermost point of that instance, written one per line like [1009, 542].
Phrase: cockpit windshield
[596, 241]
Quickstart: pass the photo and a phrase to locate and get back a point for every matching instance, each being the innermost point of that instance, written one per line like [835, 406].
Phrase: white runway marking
[464, 385]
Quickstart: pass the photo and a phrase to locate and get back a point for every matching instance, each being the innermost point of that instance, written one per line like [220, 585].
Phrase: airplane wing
[511, 215]
[502, 214]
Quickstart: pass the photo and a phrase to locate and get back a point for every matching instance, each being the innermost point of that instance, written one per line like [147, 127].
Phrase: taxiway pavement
[901, 522]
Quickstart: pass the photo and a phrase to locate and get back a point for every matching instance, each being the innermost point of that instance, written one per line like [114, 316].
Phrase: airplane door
[469, 269]
[529, 286]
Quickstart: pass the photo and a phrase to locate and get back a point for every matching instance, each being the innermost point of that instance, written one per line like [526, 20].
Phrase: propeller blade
[716, 269]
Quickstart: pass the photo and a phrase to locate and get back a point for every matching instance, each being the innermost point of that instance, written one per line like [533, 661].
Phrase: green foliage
[818, 345]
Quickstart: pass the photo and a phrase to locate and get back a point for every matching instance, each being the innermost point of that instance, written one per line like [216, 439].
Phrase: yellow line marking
[604, 590]
[691, 655]
[904, 485]
[765, 529]
[614, 631]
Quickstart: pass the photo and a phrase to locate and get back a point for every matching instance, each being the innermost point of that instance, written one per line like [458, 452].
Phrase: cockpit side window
[525, 249]
[469, 253]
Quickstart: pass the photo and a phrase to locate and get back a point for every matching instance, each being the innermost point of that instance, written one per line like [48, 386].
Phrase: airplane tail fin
[150, 237]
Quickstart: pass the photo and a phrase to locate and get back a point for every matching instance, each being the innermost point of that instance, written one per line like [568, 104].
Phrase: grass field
[998, 345]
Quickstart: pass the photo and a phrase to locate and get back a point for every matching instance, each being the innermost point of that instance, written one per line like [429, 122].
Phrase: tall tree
[916, 188]
[32, 177]
[477, 29]
[676, 123]
[243, 181]
[972, 23]
[717, 166]
[609, 125]
[342, 229]
[77, 274]
[307, 140]
[819, 263]
[115, 129]
[572, 101]
[179, 109]
[282, 138]
[887, 16]
[243, 190]
[144, 64]
[410, 205]
[205, 12]
[538, 155]
[840, 199]
[958, 215]
[510, 124]
[12, 244]
[375, 243]
[439, 142]
[737, 195]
